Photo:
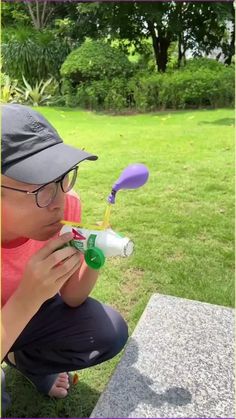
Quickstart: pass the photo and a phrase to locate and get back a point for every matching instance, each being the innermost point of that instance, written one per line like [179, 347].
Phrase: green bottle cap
[94, 257]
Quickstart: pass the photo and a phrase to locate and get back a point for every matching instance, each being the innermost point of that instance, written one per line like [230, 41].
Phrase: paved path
[178, 363]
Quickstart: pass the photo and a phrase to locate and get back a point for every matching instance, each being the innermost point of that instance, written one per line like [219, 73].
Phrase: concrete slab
[179, 363]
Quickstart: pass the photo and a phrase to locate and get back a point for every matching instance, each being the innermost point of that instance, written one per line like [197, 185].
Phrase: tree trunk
[34, 20]
[181, 50]
[160, 45]
[231, 53]
[162, 59]
[39, 15]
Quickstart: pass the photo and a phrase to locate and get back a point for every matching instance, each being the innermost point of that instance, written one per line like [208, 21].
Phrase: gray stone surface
[178, 363]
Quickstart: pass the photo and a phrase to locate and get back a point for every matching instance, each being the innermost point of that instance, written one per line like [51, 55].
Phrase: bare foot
[60, 387]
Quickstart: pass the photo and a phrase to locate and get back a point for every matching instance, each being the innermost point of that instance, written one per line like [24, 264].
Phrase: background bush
[95, 75]
[35, 54]
[104, 94]
[9, 92]
[202, 83]
[95, 60]
[101, 77]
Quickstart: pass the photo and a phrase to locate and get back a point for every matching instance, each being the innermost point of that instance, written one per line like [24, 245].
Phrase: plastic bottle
[98, 244]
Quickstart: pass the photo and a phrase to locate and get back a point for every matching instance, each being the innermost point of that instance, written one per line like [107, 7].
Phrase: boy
[50, 325]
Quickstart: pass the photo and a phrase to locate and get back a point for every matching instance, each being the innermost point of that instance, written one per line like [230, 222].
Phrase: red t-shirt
[15, 259]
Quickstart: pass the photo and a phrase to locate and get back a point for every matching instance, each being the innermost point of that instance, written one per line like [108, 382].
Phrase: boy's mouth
[57, 222]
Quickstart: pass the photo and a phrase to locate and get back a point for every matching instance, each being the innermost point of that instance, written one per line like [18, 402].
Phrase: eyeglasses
[45, 195]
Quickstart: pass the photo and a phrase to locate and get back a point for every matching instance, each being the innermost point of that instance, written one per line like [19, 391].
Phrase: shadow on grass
[27, 402]
[223, 121]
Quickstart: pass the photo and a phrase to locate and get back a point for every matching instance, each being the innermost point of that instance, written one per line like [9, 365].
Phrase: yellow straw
[106, 220]
[75, 224]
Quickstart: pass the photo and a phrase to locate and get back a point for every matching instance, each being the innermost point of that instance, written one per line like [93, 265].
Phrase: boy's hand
[48, 270]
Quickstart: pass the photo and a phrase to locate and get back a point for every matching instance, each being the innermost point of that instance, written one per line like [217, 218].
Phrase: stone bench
[178, 363]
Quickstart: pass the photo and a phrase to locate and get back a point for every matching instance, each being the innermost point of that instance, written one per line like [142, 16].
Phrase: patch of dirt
[131, 281]
[176, 257]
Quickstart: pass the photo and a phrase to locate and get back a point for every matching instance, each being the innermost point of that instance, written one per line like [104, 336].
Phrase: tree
[197, 26]
[12, 12]
[39, 12]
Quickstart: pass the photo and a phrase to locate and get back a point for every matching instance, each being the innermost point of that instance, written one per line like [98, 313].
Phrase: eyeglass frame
[36, 191]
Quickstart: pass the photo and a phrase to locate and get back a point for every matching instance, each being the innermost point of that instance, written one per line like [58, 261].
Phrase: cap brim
[48, 164]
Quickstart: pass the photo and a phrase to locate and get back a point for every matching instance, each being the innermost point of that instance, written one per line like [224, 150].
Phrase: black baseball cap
[32, 150]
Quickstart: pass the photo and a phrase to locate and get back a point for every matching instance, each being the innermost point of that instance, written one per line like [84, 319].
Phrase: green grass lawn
[182, 222]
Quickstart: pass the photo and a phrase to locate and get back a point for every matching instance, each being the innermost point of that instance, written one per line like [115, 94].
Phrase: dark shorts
[60, 338]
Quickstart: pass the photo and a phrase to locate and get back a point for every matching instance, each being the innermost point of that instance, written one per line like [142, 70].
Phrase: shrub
[202, 87]
[92, 95]
[201, 83]
[103, 94]
[195, 64]
[70, 100]
[144, 90]
[185, 88]
[222, 93]
[9, 92]
[35, 95]
[35, 54]
[115, 101]
[117, 95]
[95, 60]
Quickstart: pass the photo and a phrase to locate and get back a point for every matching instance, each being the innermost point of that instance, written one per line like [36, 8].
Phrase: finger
[61, 280]
[53, 245]
[67, 266]
[59, 257]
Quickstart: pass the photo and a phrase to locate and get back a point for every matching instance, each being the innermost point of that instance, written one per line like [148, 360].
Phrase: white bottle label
[111, 243]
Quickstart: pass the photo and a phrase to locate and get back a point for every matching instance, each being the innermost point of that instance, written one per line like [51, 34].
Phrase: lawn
[182, 222]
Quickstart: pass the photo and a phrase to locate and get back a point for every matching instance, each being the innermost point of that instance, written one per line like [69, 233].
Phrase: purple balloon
[132, 177]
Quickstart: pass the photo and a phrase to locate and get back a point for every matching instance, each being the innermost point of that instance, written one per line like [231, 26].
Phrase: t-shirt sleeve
[72, 207]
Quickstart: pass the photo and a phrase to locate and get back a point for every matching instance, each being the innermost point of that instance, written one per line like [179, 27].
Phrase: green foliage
[201, 83]
[117, 95]
[95, 60]
[196, 26]
[9, 92]
[36, 54]
[144, 90]
[92, 95]
[35, 95]
[12, 13]
[71, 100]
[196, 64]
[103, 94]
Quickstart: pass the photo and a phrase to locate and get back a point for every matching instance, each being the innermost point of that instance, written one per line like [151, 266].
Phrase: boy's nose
[59, 199]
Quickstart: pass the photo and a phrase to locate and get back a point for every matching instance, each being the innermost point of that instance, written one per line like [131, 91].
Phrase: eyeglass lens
[47, 194]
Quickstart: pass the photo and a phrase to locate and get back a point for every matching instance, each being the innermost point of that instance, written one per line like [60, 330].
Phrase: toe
[63, 375]
[58, 392]
[64, 384]
[60, 387]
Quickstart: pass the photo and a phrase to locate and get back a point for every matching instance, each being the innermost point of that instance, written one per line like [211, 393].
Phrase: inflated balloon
[132, 177]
